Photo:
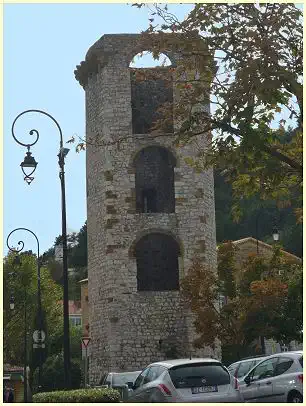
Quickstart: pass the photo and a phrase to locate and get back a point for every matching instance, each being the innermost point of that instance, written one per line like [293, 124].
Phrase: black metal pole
[262, 343]
[40, 326]
[256, 224]
[25, 380]
[262, 338]
[65, 276]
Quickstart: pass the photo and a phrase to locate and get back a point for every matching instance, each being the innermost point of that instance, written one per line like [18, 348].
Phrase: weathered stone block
[110, 209]
[110, 195]
[203, 219]
[111, 222]
[108, 175]
[199, 193]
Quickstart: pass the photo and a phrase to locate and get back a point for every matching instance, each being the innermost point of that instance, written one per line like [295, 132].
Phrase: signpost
[85, 342]
[39, 337]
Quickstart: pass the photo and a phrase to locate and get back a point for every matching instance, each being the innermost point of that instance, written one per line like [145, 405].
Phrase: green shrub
[53, 376]
[103, 395]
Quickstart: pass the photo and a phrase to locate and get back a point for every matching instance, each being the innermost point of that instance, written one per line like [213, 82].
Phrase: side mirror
[130, 385]
[247, 379]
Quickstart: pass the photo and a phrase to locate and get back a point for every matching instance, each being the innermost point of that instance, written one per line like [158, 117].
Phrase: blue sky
[42, 45]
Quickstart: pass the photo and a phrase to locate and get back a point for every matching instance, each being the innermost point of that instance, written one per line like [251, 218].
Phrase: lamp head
[64, 151]
[29, 161]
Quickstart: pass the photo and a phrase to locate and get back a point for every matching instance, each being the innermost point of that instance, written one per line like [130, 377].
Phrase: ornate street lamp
[17, 262]
[30, 163]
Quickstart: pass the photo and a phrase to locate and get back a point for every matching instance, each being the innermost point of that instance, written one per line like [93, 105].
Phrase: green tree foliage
[78, 253]
[77, 260]
[53, 374]
[288, 323]
[258, 300]
[251, 74]
[56, 342]
[21, 282]
[227, 269]
[265, 213]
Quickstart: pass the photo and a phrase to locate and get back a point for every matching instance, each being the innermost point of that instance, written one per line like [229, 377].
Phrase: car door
[233, 369]
[138, 388]
[284, 372]
[151, 383]
[260, 387]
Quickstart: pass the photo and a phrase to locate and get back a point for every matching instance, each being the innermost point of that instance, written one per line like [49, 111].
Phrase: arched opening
[154, 180]
[151, 93]
[146, 60]
[157, 263]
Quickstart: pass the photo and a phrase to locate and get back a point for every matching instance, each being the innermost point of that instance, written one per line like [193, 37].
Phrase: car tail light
[236, 383]
[300, 378]
[165, 389]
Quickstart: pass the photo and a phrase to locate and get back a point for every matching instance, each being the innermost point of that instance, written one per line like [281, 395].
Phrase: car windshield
[301, 361]
[124, 378]
[201, 374]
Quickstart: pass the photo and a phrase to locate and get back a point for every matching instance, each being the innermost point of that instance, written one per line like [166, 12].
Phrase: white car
[184, 380]
[276, 379]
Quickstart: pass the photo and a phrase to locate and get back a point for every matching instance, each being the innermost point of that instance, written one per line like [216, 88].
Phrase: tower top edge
[123, 47]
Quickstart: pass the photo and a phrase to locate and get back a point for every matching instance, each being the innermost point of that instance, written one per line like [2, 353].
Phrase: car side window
[233, 369]
[243, 369]
[154, 372]
[264, 369]
[140, 379]
[107, 379]
[283, 365]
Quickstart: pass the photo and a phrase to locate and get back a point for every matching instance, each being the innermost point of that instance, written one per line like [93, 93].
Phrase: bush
[103, 395]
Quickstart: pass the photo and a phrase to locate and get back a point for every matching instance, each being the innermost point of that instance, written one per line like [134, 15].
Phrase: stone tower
[148, 214]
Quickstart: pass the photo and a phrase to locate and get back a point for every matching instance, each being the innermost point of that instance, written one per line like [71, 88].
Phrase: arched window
[151, 89]
[154, 180]
[157, 263]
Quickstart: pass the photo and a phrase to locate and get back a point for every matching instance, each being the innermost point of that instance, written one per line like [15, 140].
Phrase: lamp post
[39, 307]
[30, 164]
[12, 307]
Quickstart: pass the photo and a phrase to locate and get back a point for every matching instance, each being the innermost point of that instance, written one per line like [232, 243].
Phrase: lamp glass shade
[275, 234]
[12, 304]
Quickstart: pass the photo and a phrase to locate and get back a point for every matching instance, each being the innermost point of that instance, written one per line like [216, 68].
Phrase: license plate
[204, 389]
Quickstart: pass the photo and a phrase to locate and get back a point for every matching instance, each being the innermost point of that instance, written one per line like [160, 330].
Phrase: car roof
[293, 353]
[248, 359]
[124, 373]
[175, 362]
[261, 358]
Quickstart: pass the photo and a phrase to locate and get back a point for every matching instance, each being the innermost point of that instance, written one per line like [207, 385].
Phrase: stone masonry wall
[130, 329]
